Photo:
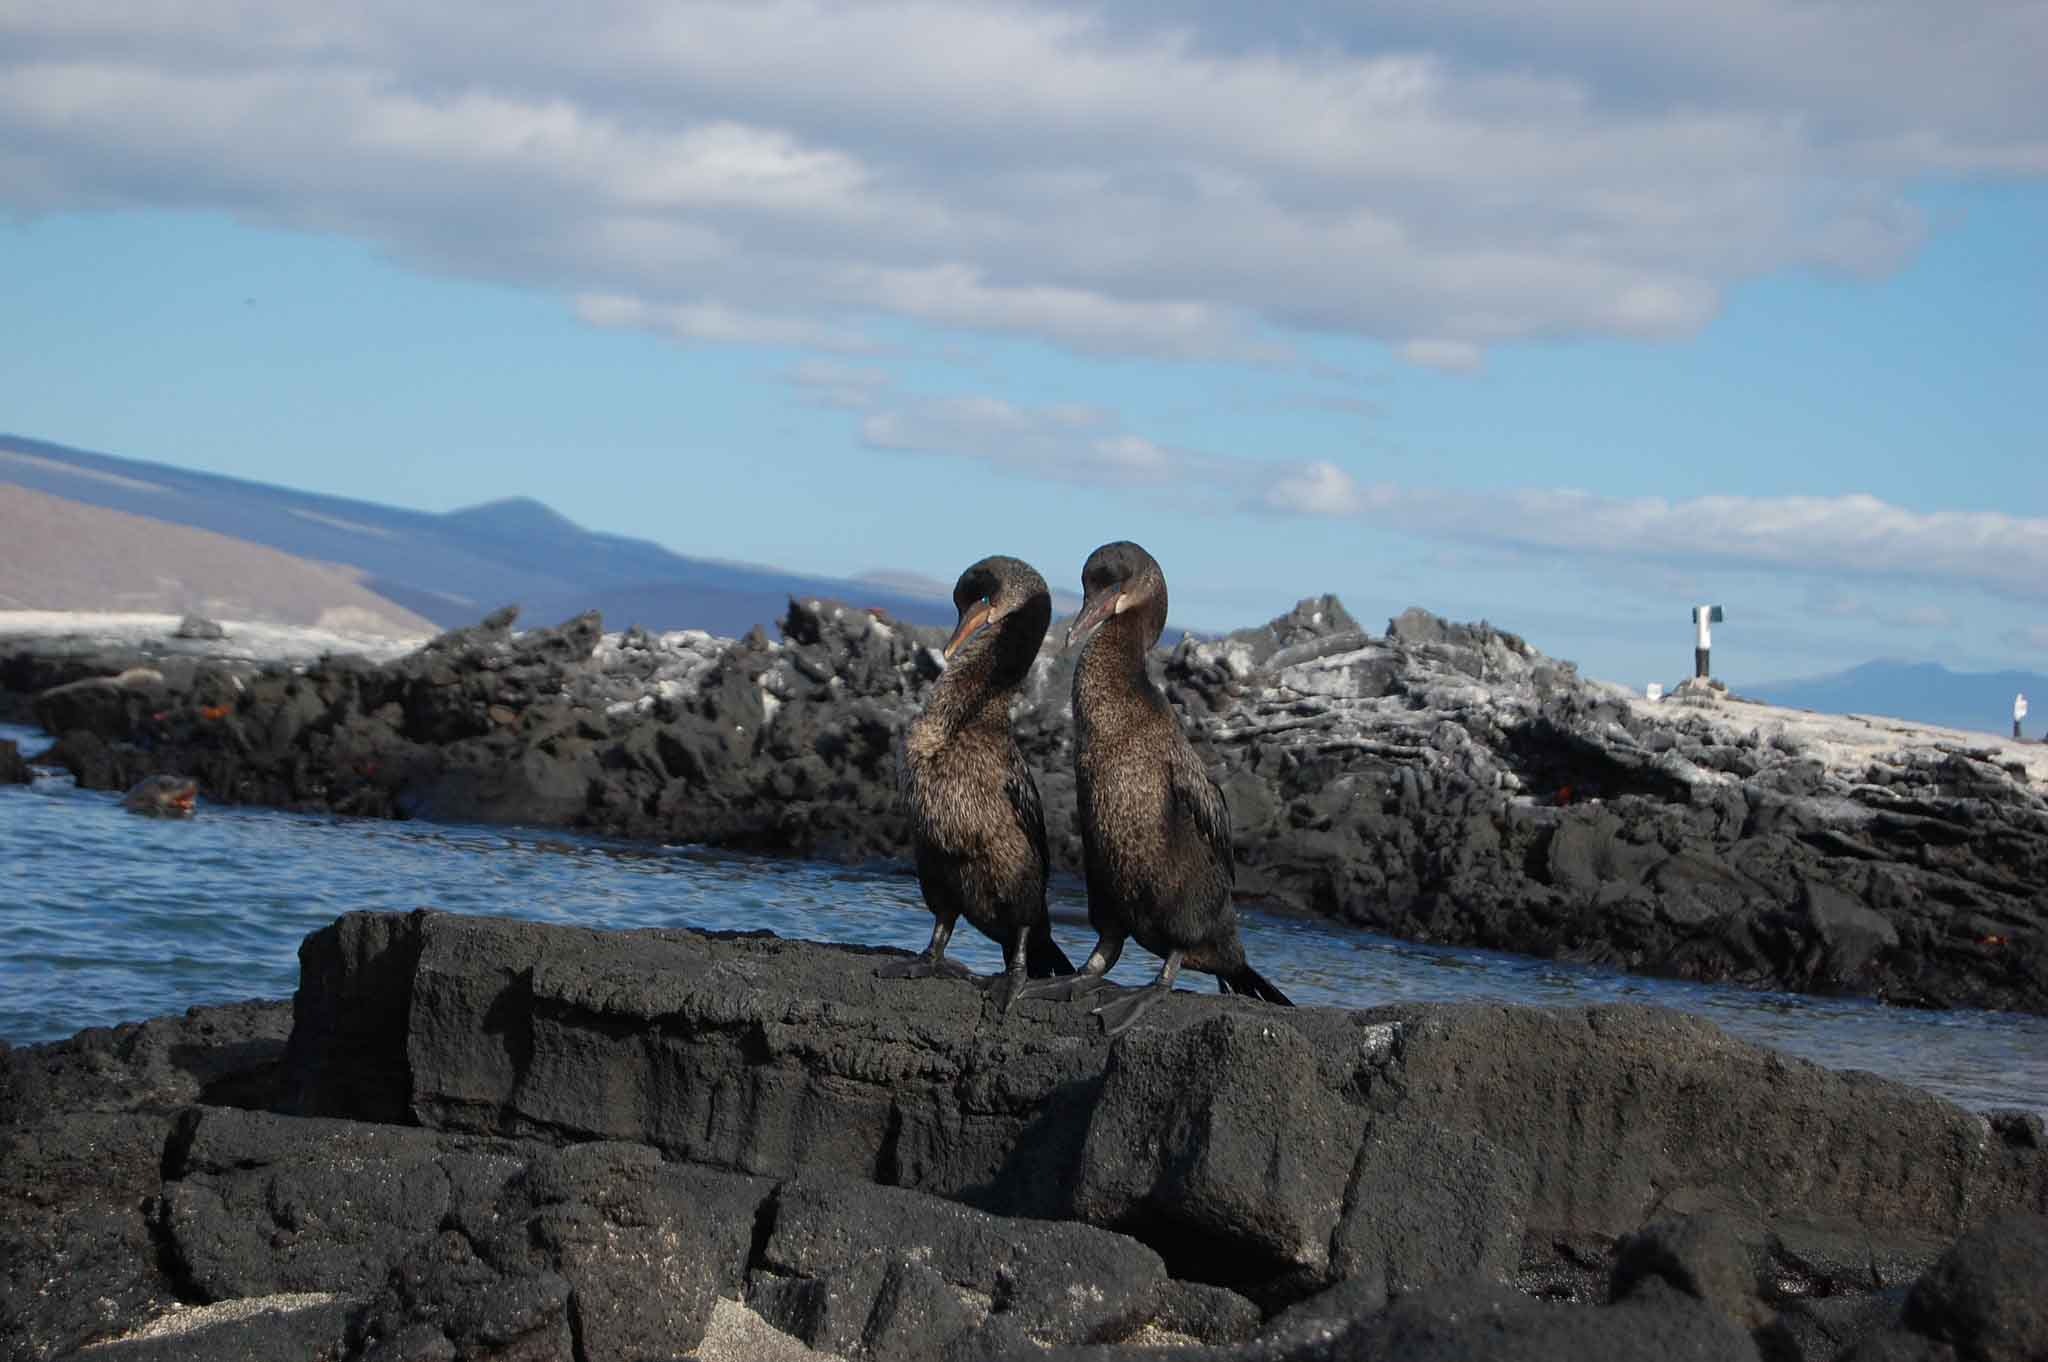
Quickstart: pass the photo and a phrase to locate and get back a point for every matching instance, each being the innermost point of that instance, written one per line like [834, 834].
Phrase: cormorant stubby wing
[1197, 797]
[1023, 795]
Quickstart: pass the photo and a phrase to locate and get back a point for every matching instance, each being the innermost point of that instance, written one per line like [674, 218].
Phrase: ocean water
[106, 917]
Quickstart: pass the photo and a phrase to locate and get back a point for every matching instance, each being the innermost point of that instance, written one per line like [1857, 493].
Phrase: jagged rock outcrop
[1449, 783]
[1442, 782]
[494, 1139]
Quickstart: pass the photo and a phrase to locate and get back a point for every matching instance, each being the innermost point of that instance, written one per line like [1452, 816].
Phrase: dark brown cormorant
[976, 819]
[1154, 827]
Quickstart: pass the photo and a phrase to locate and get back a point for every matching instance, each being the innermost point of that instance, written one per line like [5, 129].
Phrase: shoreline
[1440, 783]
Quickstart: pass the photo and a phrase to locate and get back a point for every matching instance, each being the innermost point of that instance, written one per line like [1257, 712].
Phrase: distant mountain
[1924, 692]
[63, 554]
[453, 568]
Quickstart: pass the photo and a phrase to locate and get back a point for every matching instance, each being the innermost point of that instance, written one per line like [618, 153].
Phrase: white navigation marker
[1704, 616]
[2019, 712]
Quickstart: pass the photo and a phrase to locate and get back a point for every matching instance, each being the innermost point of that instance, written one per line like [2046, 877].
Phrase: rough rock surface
[1441, 782]
[495, 1139]
[84, 1126]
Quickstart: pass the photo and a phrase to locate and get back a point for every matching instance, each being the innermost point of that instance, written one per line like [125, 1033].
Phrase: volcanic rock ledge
[1441, 782]
[480, 1138]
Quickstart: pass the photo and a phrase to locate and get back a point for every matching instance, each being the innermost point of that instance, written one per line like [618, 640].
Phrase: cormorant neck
[1118, 651]
[977, 683]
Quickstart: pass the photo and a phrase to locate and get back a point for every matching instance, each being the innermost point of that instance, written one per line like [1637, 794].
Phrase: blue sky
[1566, 326]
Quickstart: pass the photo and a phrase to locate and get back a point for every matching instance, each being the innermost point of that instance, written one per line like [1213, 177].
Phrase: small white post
[2019, 712]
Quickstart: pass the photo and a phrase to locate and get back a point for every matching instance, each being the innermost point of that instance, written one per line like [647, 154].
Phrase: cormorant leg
[1065, 987]
[1006, 985]
[1120, 1014]
[932, 962]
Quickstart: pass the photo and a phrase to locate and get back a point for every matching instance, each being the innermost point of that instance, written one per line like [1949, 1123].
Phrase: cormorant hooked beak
[981, 614]
[1094, 610]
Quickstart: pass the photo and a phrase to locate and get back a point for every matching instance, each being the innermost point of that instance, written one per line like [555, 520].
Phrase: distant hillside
[1923, 692]
[66, 555]
[453, 568]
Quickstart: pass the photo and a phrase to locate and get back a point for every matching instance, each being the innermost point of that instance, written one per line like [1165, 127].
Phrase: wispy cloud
[2033, 637]
[847, 387]
[714, 323]
[1173, 181]
[1453, 356]
[1931, 618]
[1364, 408]
[1840, 540]
[1833, 602]
[1319, 488]
[1856, 536]
[1060, 443]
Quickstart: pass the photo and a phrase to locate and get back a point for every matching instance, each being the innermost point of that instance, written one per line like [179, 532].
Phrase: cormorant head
[1118, 579]
[998, 589]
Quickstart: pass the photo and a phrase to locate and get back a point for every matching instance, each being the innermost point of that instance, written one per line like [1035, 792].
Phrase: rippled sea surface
[106, 917]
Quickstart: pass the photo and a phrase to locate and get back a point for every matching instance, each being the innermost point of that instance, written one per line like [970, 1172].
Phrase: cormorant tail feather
[1043, 957]
[1252, 984]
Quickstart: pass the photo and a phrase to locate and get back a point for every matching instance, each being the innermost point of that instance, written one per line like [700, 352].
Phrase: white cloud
[956, 295]
[1172, 181]
[1058, 443]
[1844, 543]
[1319, 488]
[848, 387]
[1135, 457]
[1854, 536]
[715, 323]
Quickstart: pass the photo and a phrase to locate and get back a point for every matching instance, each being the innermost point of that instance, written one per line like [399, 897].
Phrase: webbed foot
[1004, 989]
[923, 967]
[1061, 988]
[1121, 1014]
